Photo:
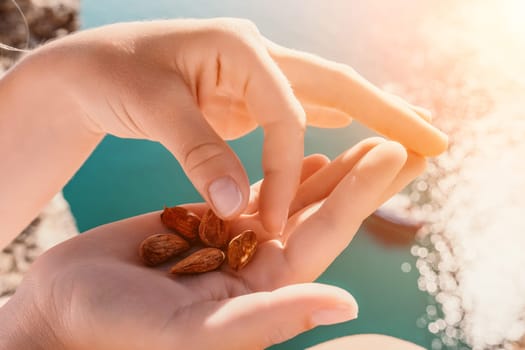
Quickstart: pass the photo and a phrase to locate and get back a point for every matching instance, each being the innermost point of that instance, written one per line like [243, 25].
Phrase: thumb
[208, 161]
[262, 319]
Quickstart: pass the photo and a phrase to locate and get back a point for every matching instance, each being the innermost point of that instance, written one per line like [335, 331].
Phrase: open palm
[96, 293]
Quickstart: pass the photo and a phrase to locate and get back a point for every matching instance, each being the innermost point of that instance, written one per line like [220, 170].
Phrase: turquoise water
[128, 177]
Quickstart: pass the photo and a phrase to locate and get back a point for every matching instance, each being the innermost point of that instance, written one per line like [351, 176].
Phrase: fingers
[321, 184]
[259, 320]
[422, 112]
[253, 204]
[338, 86]
[270, 99]
[333, 226]
[325, 117]
[366, 341]
[414, 166]
[311, 164]
[207, 160]
[316, 115]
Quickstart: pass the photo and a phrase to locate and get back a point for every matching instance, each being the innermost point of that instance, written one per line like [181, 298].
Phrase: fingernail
[225, 196]
[335, 315]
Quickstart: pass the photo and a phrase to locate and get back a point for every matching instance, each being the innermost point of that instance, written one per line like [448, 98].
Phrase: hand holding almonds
[209, 235]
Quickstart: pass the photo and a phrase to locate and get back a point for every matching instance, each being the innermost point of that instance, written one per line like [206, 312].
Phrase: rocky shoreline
[45, 20]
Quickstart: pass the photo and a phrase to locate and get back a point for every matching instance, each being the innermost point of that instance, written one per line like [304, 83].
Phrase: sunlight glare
[513, 14]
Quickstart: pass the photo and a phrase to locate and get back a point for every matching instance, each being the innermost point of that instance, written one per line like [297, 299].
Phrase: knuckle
[239, 31]
[247, 26]
[236, 25]
[201, 154]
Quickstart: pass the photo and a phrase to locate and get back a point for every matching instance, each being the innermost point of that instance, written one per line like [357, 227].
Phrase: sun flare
[513, 14]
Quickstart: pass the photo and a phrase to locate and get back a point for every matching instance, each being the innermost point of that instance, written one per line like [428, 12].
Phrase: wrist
[42, 130]
[52, 76]
[22, 327]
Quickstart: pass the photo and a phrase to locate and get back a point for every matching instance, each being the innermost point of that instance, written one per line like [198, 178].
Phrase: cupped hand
[366, 341]
[192, 84]
[93, 292]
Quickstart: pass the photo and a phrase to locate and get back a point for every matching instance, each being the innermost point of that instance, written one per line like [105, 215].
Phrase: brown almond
[203, 260]
[213, 231]
[182, 221]
[158, 248]
[241, 249]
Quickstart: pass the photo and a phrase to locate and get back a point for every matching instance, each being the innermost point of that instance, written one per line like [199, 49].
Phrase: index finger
[270, 99]
[336, 85]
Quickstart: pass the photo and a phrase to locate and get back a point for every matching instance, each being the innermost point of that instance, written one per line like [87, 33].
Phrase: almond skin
[159, 248]
[203, 260]
[241, 249]
[182, 221]
[213, 231]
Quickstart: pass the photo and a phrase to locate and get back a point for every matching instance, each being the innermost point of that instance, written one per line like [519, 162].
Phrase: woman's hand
[191, 84]
[366, 341]
[93, 292]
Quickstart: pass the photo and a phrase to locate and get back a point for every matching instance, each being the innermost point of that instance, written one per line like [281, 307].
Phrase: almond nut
[158, 248]
[203, 260]
[241, 249]
[213, 231]
[182, 221]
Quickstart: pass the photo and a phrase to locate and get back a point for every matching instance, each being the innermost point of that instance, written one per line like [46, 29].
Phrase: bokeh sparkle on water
[470, 70]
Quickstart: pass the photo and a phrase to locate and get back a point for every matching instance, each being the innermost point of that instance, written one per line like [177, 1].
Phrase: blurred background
[458, 283]
[124, 177]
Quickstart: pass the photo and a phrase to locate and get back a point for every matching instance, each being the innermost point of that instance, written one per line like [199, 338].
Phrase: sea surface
[436, 53]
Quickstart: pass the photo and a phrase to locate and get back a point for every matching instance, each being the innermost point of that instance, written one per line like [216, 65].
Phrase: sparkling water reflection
[470, 70]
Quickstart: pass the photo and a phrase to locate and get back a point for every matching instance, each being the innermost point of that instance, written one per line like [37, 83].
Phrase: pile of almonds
[209, 237]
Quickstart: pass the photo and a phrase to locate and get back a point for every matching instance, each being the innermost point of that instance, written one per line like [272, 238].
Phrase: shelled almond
[208, 239]
[203, 260]
[182, 221]
[159, 248]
